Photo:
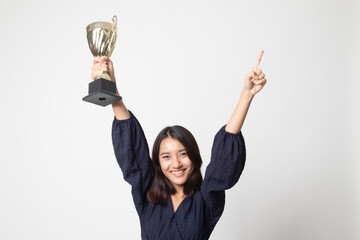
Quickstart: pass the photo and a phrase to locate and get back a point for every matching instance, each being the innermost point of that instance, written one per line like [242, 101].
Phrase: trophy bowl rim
[104, 25]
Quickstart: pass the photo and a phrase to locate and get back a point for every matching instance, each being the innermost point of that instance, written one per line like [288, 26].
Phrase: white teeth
[178, 172]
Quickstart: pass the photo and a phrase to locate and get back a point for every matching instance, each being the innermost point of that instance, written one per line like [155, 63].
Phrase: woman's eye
[166, 157]
[183, 154]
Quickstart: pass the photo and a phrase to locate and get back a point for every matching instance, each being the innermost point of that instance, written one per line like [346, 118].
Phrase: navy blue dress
[194, 218]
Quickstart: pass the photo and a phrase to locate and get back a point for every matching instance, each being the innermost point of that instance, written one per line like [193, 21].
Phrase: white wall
[181, 62]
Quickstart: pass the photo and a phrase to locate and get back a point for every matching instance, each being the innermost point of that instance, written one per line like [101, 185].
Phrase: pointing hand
[255, 79]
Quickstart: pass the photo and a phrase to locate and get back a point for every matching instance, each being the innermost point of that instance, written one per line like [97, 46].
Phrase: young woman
[170, 196]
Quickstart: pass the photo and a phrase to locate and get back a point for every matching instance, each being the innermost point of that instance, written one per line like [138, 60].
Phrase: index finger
[258, 59]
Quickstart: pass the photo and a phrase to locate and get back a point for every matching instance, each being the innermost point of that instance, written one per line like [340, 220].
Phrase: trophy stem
[103, 75]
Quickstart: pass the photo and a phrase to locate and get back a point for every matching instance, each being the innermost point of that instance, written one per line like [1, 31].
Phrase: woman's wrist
[120, 111]
[247, 95]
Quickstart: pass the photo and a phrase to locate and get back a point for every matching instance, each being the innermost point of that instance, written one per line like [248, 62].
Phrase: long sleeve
[132, 154]
[227, 163]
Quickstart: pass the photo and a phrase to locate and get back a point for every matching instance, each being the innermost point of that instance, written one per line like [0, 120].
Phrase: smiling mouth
[178, 173]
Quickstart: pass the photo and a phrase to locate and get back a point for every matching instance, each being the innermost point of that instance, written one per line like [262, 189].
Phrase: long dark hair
[160, 185]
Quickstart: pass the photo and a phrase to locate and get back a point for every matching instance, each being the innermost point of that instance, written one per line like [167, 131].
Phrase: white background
[182, 62]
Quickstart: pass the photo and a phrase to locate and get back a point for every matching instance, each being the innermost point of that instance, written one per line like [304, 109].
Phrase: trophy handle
[114, 19]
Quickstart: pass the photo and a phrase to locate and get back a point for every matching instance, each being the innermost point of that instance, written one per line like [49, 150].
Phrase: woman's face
[174, 162]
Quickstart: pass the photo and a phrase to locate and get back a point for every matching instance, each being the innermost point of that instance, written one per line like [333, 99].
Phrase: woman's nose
[176, 162]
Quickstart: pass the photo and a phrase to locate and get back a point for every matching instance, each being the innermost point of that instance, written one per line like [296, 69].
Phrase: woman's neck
[179, 192]
[177, 198]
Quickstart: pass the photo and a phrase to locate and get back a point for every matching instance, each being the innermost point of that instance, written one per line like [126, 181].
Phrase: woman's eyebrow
[181, 150]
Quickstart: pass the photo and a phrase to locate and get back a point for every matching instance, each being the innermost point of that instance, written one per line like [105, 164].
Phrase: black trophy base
[102, 92]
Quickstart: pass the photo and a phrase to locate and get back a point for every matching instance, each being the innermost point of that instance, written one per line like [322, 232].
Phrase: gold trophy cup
[101, 37]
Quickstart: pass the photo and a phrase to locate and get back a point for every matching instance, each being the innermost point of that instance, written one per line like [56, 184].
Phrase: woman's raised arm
[104, 64]
[254, 82]
[129, 142]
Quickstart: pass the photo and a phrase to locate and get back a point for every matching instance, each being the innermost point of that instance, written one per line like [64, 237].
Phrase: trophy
[101, 37]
